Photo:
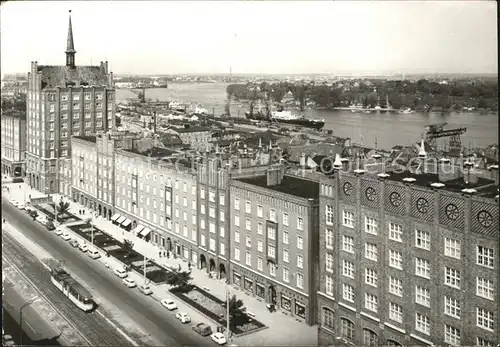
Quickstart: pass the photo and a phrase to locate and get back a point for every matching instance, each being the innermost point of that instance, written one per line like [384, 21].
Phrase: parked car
[129, 282]
[21, 206]
[83, 247]
[58, 231]
[120, 273]
[50, 226]
[94, 254]
[202, 329]
[74, 243]
[15, 203]
[145, 289]
[65, 236]
[218, 338]
[183, 317]
[169, 304]
[42, 219]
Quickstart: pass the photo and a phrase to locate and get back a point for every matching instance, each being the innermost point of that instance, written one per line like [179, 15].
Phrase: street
[148, 315]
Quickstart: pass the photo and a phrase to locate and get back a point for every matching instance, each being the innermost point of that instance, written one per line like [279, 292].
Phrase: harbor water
[387, 129]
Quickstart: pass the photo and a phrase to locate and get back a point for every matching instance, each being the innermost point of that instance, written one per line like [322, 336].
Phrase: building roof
[192, 129]
[289, 185]
[87, 138]
[62, 76]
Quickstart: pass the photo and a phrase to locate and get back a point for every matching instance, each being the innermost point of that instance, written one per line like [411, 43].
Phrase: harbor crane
[435, 131]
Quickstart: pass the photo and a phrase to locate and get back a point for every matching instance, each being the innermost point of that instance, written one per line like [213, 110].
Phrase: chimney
[469, 176]
[275, 175]
[445, 170]
[494, 173]
[106, 66]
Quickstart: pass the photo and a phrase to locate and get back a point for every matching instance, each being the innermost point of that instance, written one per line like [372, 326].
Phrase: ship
[283, 117]
[72, 289]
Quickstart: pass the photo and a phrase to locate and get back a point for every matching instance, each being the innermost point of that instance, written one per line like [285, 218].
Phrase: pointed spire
[337, 164]
[70, 46]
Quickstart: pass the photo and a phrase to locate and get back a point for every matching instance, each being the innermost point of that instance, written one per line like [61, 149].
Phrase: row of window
[272, 214]
[64, 97]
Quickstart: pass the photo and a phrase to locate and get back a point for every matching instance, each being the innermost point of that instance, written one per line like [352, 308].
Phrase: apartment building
[406, 261]
[64, 101]
[274, 240]
[13, 143]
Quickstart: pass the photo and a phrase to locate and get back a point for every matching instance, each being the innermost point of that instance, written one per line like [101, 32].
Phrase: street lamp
[35, 299]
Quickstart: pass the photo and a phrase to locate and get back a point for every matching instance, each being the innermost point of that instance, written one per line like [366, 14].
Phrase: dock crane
[435, 131]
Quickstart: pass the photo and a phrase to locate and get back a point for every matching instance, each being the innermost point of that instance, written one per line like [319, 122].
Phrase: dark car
[74, 243]
[203, 329]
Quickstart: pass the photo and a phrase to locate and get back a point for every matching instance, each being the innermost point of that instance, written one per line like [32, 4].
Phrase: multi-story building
[13, 142]
[63, 101]
[408, 261]
[274, 240]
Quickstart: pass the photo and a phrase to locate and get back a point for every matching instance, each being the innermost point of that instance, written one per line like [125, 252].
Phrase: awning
[121, 219]
[115, 217]
[138, 229]
[145, 232]
[126, 223]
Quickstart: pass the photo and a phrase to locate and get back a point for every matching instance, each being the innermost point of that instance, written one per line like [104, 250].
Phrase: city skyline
[340, 37]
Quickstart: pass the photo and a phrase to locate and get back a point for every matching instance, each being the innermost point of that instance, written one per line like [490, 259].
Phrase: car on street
[15, 203]
[218, 338]
[65, 236]
[183, 317]
[203, 329]
[120, 273]
[145, 289]
[21, 206]
[58, 231]
[42, 219]
[83, 247]
[74, 243]
[94, 254]
[129, 282]
[169, 304]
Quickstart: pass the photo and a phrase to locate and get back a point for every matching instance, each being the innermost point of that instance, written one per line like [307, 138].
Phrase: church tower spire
[70, 47]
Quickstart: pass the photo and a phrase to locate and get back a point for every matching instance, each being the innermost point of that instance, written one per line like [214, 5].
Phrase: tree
[179, 279]
[128, 246]
[62, 207]
[235, 310]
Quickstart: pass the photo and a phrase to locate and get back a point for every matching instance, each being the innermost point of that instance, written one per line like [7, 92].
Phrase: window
[300, 242]
[422, 296]
[285, 256]
[222, 216]
[236, 236]
[272, 269]
[329, 238]
[259, 228]
[480, 342]
[347, 329]
[222, 248]
[237, 204]
[371, 302]
[329, 214]
[371, 277]
[451, 335]
[300, 223]
[248, 224]
[484, 288]
[371, 225]
[260, 245]
[422, 267]
[300, 281]
[396, 259]
[329, 285]
[285, 218]
[271, 233]
[396, 312]
[248, 207]
[348, 268]
[485, 319]
[452, 277]
[222, 231]
[329, 262]
[422, 323]
[211, 227]
[211, 196]
[272, 215]
[259, 211]
[348, 219]
[371, 251]
[248, 259]
[184, 201]
[396, 286]
[184, 187]
[271, 251]
[348, 292]
[485, 257]
[237, 221]
[285, 237]
[286, 275]
[347, 243]
[202, 208]
[396, 232]
[451, 307]
[237, 254]
[212, 243]
[452, 248]
[259, 264]
[328, 319]
[370, 338]
[422, 239]
[300, 262]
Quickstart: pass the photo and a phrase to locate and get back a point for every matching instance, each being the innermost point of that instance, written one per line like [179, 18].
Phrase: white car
[169, 304]
[120, 273]
[15, 203]
[94, 254]
[65, 236]
[58, 231]
[145, 289]
[183, 317]
[42, 219]
[218, 338]
[83, 247]
[21, 206]
[129, 282]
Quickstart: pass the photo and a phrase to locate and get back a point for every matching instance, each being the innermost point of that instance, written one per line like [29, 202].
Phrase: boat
[405, 110]
[284, 117]
[72, 289]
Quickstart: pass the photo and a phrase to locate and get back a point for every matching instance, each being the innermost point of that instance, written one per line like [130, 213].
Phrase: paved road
[161, 325]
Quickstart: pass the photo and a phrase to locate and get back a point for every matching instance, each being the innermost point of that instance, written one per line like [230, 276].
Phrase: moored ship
[285, 117]
[72, 289]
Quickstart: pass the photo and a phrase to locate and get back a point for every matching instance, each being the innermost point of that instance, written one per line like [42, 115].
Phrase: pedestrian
[159, 254]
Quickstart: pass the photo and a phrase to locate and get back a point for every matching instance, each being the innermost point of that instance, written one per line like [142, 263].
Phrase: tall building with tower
[64, 101]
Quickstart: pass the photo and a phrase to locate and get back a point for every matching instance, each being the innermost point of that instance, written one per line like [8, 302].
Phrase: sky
[204, 37]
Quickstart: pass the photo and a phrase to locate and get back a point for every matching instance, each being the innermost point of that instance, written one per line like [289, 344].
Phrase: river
[388, 129]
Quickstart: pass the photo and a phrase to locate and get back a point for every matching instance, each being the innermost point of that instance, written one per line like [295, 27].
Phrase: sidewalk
[282, 329]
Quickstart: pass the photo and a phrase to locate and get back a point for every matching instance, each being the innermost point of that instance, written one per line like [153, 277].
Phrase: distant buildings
[13, 146]
[64, 101]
